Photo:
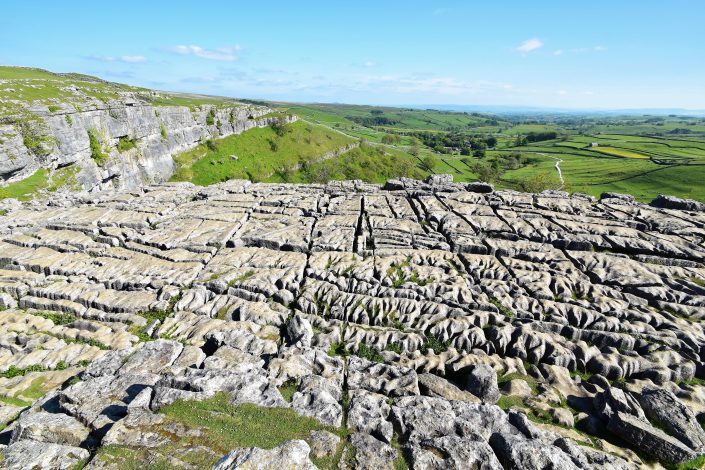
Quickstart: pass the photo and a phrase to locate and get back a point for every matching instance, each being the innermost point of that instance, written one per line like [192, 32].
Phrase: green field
[618, 152]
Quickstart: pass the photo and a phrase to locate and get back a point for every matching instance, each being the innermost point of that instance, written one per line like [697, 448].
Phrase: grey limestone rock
[292, 455]
[36, 455]
[482, 382]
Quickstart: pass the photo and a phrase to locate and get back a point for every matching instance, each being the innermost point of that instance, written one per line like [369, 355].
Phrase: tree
[428, 163]
[390, 139]
[479, 153]
[487, 173]
[280, 126]
[491, 141]
[539, 182]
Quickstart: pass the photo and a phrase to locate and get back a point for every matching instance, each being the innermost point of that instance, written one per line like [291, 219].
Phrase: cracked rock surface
[426, 325]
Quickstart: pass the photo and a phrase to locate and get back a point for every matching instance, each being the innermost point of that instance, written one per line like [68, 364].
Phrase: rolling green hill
[640, 155]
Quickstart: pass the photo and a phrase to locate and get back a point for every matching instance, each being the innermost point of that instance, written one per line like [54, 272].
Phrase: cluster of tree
[466, 144]
[680, 130]
[534, 137]
[541, 136]
[491, 171]
[391, 139]
[372, 121]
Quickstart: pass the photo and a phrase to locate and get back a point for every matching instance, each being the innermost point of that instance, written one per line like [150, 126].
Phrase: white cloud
[530, 45]
[133, 59]
[558, 52]
[370, 63]
[440, 11]
[562, 92]
[226, 53]
[600, 48]
[130, 59]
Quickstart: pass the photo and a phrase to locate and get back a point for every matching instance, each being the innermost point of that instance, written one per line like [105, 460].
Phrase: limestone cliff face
[158, 132]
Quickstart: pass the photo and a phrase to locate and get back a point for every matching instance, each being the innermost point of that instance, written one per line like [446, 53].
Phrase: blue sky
[596, 54]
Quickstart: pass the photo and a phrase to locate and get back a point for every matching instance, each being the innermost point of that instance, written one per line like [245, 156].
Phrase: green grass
[36, 389]
[617, 152]
[698, 462]
[258, 158]
[25, 189]
[288, 389]
[247, 425]
[36, 85]
[515, 375]
[14, 401]
[223, 427]
[510, 401]
[56, 317]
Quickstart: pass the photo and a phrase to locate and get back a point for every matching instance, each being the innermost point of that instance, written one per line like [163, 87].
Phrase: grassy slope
[256, 157]
[32, 85]
[369, 163]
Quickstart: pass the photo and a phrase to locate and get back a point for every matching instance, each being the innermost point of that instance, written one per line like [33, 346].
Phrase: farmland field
[618, 152]
[640, 155]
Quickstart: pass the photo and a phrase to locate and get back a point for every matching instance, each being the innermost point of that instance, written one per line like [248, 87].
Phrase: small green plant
[125, 143]
[394, 347]
[14, 371]
[211, 145]
[97, 153]
[56, 317]
[369, 353]
[162, 131]
[505, 310]
[53, 108]
[69, 119]
[210, 117]
[74, 380]
[434, 344]
[338, 349]
[273, 145]
[242, 277]
[288, 389]
[33, 132]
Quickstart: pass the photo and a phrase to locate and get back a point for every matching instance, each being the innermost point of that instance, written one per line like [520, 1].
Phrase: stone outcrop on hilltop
[456, 325]
[154, 133]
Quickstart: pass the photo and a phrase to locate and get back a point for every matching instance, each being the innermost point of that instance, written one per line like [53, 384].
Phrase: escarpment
[119, 144]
